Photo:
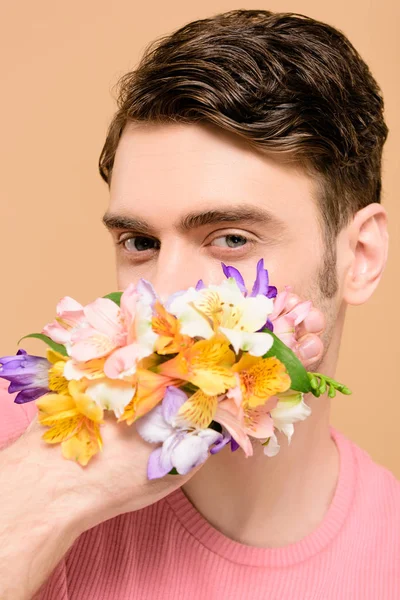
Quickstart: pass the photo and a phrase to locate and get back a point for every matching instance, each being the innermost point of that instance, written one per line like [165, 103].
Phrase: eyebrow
[195, 220]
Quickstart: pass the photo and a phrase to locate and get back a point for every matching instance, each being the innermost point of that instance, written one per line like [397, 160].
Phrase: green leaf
[40, 336]
[296, 370]
[173, 471]
[115, 297]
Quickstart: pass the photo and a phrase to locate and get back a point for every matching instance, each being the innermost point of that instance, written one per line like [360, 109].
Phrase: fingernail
[308, 349]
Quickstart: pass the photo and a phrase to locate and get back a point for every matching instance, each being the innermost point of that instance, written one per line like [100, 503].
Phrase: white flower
[224, 308]
[183, 447]
[290, 408]
[111, 396]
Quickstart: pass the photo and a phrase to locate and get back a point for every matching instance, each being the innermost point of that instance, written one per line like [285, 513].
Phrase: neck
[270, 502]
[273, 501]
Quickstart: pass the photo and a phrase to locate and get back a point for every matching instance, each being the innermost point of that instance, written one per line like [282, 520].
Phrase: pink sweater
[169, 551]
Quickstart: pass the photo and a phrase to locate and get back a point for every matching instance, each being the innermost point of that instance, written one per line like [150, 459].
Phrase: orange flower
[207, 364]
[150, 390]
[170, 340]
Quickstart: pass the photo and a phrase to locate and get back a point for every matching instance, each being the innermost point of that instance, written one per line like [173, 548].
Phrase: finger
[291, 301]
[313, 323]
[309, 349]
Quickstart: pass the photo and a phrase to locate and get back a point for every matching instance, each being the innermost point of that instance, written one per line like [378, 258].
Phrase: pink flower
[288, 313]
[69, 316]
[123, 334]
[242, 421]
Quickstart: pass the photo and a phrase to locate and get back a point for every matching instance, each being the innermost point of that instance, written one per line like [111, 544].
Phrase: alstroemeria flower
[111, 394]
[286, 317]
[290, 407]
[70, 316]
[170, 339]
[261, 284]
[238, 418]
[207, 364]
[223, 308]
[243, 422]
[149, 391]
[28, 375]
[183, 447]
[73, 419]
[110, 340]
[261, 378]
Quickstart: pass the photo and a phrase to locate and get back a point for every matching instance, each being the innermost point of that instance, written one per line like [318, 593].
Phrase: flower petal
[70, 315]
[198, 410]
[262, 280]
[88, 343]
[235, 428]
[28, 395]
[255, 311]
[152, 427]
[81, 447]
[155, 469]
[272, 448]
[189, 453]
[200, 285]
[62, 429]
[220, 443]
[123, 361]
[256, 344]
[103, 315]
[52, 404]
[237, 276]
[287, 412]
[259, 423]
[111, 395]
[173, 400]
[210, 436]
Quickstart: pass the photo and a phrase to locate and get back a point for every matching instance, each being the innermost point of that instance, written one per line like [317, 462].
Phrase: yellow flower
[57, 381]
[199, 410]
[73, 419]
[261, 378]
[207, 364]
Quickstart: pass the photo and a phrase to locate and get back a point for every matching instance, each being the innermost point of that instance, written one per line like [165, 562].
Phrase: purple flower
[260, 286]
[28, 375]
[183, 446]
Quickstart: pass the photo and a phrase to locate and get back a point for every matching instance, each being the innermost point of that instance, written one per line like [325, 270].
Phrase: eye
[232, 240]
[138, 243]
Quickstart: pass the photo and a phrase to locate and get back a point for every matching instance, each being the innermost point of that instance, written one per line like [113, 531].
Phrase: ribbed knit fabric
[169, 551]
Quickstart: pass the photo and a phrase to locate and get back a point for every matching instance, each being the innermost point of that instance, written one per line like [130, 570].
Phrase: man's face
[187, 197]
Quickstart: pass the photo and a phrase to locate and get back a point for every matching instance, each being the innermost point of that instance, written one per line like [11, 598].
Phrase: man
[250, 134]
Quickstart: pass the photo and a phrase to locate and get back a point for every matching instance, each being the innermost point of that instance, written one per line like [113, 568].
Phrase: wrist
[37, 479]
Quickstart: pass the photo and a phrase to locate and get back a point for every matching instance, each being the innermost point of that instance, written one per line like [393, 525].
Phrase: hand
[308, 345]
[113, 482]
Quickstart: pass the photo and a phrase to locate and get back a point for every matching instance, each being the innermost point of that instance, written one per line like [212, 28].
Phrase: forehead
[199, 166]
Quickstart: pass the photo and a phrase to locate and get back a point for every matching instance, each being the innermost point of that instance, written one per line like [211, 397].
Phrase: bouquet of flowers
[210, 366]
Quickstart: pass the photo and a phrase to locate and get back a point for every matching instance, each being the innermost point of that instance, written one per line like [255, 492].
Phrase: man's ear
[368, 240]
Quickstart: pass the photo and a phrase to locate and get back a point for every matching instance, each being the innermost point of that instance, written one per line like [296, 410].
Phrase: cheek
[125, 276]
[295, 267]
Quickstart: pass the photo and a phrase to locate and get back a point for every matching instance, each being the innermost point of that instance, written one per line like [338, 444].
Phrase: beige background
[60, 63]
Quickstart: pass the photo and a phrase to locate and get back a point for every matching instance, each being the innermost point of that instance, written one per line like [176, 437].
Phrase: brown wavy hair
[284, 82]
